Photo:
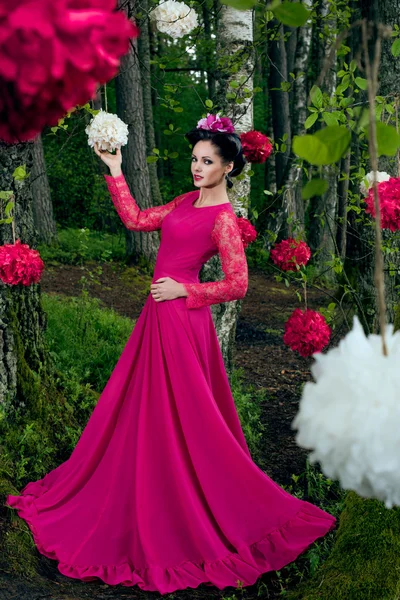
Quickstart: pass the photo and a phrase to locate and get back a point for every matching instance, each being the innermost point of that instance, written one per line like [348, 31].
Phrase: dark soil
[267, 364]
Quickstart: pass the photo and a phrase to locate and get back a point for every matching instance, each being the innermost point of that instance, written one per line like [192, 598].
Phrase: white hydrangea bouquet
[174, 18]
[368, 180]
[108, 131]
[350, 416]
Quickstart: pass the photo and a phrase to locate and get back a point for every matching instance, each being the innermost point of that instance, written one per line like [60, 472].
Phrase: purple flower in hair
[216, 123]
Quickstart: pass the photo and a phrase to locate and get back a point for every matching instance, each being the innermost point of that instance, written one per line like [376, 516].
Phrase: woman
[161, 491]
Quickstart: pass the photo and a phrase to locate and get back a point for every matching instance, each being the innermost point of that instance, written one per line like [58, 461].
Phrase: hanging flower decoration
[350, 416]
[216, 123]
[174, 18]
[53, 57]
[389, 202]
[290, 254]
[256, 146]
[306, 332]
[247, 231]
[368, 180]
[20, 264]
[108, 131]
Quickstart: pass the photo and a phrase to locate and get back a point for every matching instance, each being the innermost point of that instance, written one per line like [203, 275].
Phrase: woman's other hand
[113, 161]
[166, 288]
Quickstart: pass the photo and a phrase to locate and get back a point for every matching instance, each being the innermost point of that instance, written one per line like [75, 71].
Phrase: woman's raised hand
[113, 161]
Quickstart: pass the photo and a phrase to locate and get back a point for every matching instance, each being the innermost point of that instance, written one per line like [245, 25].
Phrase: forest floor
[267, 363]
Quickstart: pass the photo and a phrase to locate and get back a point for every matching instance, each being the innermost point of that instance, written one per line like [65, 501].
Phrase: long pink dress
[161, 491]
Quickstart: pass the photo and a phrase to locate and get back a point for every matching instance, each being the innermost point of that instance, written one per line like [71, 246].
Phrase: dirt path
[267, 363]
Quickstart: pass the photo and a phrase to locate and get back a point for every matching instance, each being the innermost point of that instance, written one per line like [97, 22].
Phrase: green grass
[79, 245]
[364, 563]
[85, 339]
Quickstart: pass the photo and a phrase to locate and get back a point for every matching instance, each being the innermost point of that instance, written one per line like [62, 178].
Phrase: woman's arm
[133, 218]
[227, 236]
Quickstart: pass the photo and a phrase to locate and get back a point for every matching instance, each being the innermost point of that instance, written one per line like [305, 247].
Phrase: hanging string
[372, 78]
[105, 97]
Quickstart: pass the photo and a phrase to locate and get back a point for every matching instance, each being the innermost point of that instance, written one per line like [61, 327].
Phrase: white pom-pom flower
[368, 180]
[108, 131]
[350, 416]
[174, 18]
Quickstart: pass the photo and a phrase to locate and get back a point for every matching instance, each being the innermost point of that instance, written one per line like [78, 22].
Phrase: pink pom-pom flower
[290, 254]
[256, 146]
[247, 230]
[54, 54]
[389, 202]
[216, 123]
[20, 264]
[306, 332]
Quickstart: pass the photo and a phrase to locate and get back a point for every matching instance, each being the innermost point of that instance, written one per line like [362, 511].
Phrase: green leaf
[156, 151]
[9, 207]
[20, 173]
[329, 118]
[5, 195]
[315, 187]
[316, 96]
[255, 213]
[167, 132]
[152, 159]
[325, 147]
[178, 109]
[209, 103]
[268, 193]
[173, 155]
[388, 139]
[311, 120]
[361, 83]
[395, 49]
[240, 4]
[234, 84]
[293, 14]
[171, 126]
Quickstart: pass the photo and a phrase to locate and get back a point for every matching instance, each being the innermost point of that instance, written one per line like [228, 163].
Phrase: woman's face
[207, 167]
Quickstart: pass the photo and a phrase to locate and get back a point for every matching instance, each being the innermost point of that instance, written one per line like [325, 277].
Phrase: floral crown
[216, 123]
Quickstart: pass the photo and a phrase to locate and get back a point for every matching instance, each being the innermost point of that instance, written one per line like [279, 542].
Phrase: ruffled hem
[277, 549]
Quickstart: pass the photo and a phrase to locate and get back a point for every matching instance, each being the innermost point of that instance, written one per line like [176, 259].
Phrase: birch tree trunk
[235, 47]
[43, 216]
[134, 165]
[295, 203]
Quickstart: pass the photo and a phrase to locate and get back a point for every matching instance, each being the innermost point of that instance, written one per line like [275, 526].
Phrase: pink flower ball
[54, 54]
[20, 264]
[290, 254]
[256, 146]
[306, 332]
[389, 203]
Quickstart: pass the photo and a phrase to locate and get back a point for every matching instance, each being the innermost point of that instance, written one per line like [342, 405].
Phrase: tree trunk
[323, 209]
[130, 109]
[144, 54]
[43, 217]
[295, 202]
[22, 320]
[235, 37]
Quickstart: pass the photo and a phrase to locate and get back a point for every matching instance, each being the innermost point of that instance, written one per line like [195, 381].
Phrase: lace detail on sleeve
[227, 236]
[133, 218]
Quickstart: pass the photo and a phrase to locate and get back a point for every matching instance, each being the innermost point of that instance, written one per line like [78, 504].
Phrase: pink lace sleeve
[226, 234]
[133, 218]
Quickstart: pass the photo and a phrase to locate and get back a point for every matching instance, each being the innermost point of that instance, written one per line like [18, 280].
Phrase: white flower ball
[350, 416]
[367, 182]
[108, 131]
[174, 18]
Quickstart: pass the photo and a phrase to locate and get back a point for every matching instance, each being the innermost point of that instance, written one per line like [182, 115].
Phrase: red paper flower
[306, 332]
[389, 202]
[20, 264]
[256, 146]
[290, 254]
[54, 53]
[247, 230]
